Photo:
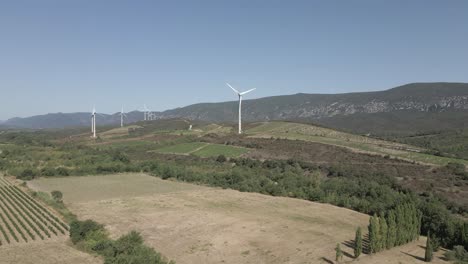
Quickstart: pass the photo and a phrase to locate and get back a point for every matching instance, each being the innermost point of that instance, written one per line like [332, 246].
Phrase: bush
[61, 171]
[128, 249]
[48, 171]
[27, 174]
[80, 229]
[57, 196]
[221, 159]
[458, 254]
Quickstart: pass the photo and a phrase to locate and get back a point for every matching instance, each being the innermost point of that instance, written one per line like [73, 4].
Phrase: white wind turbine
[146, 112]
[93, 122]
[122, 115]
[240, 94]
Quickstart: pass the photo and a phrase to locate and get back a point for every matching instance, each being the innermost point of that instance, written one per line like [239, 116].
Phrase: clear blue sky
[65, 56]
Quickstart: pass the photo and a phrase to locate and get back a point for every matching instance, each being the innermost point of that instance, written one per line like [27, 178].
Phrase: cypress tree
[374, 234]
[399, 220]
[392, 229]
[358, 243]
[339, 253]
[429, 250]
[419, 223]
[464, 235]
[406, 224]
[383, 233]
[378, 236]
[370, 230]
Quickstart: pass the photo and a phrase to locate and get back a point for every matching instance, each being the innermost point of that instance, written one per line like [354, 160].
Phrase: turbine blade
[237, 92]
[247, 91]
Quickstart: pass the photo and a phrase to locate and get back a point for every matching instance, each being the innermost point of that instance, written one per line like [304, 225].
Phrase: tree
[358, 243]
[383, 233]
[373, 231]
[429, 250]
[375, 237]
[391, 230]
[339, 253]
[464, 235]
[57, 196]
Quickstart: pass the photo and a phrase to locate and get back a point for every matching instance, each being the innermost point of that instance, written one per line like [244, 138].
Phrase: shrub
[27, 174]
[221, 158]
[80, 229]
[61, 171]
[48, 171]
[57, 196]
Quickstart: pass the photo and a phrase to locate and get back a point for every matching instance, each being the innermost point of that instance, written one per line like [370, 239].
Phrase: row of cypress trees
[399, 226]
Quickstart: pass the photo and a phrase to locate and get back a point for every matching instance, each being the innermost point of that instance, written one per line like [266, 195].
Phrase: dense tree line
[397, 227]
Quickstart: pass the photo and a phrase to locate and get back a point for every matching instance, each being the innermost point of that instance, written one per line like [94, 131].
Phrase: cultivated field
[203, 150]
[118, 132]
[196, 224]
[32, 234]
[184, 148]
[23, 219]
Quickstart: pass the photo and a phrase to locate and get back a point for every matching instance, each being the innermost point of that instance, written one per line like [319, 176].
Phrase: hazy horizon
[68, 56]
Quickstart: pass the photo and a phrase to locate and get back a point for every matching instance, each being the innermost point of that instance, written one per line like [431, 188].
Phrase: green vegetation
[376, 191]
[57, 196]
[450, 143]
[184, 148]
[428, 253]
[204, 150]
[214, 150]
[128, 249]
[358, 243]
[404, 226]
[295, 131]
[339, 253]
[458, 255]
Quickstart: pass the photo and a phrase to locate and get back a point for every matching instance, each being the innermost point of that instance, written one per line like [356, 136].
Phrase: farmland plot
[24, 220]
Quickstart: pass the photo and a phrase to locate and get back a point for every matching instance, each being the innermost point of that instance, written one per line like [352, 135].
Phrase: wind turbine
[93, 122]
[146, 112]
[240, 94]
[122, 115]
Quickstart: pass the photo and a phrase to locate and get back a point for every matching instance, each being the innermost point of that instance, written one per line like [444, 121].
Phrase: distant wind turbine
[122, 115]
[240, 94]
[146, 112]
[93, 122]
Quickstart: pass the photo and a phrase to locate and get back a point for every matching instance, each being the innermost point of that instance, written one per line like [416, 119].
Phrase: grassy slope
[295, 131]
[184, 148]
[214, 150]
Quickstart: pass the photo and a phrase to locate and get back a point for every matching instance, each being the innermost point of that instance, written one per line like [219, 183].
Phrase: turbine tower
[122, 115]
[93, 122]
[240, 94]
[146, 112]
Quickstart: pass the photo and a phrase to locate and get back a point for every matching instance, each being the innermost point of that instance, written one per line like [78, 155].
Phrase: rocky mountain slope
[412, 107]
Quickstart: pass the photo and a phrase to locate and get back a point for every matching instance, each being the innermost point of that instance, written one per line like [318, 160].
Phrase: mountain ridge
[414, 99]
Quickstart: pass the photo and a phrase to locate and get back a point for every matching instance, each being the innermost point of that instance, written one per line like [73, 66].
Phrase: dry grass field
[196, 224]
[46, 252]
